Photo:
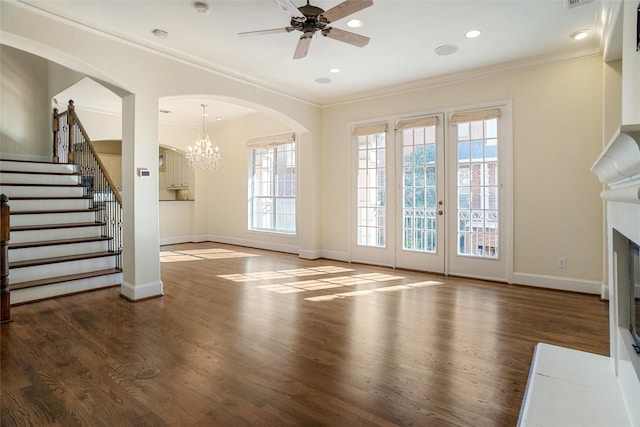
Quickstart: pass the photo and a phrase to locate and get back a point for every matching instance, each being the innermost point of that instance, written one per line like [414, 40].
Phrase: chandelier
[203, 155]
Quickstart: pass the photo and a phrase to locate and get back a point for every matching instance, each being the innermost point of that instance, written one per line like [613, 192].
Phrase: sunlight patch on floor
[324, 282]
[395, 288]
[281, 274]
[201, 254]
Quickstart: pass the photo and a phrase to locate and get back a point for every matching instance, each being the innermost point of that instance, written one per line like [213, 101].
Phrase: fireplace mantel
[618, 167]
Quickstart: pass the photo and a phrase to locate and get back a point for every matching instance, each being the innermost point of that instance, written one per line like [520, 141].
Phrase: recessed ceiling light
[161, 34]
[473, 34]
[446, 49]
[218, 118]
[354, 23]
[334, 70]
[202, 7]
[323, 80]
[580, 34]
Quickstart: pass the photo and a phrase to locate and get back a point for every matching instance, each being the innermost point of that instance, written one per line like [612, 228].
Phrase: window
[272, 184]
[419, 186]
[371, 197]
[477, 164]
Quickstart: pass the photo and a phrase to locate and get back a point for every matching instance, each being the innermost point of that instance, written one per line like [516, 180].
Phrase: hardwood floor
[258, 349]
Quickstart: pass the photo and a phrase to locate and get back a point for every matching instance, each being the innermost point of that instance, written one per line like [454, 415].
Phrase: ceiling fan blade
[346, 8]
[303, 47]
[346, 36]
[263, 32]
[290, 8]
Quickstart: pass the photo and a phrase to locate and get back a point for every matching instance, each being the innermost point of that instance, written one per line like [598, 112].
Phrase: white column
[307, 172]
[141, 256]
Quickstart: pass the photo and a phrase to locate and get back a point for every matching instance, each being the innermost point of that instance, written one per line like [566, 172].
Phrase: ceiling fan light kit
[309, 19]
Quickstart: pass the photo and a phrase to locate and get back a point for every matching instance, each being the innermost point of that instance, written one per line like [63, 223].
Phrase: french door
[434, 194]
[420, 178]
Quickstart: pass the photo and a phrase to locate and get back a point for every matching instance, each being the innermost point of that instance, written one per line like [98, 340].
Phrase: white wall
[227, 187]
[100, 126]
[557, 134]
[25, 129]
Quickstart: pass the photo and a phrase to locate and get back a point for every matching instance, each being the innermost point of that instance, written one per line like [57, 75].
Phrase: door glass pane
[477, 146]
[419, 195]
[371, 191]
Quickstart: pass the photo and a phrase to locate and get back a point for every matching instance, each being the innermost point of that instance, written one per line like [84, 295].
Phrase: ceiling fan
[310, 19]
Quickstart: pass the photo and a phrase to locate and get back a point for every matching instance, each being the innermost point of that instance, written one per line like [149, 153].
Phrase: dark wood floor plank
[216, 352]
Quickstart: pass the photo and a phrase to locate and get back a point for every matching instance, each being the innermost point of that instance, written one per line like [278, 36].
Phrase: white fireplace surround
[567, 387]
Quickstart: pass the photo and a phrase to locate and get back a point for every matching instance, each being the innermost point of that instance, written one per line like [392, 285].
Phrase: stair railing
[5, 297]
[73, 146]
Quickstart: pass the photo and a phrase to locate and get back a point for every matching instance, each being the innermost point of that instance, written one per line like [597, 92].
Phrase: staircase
[58, 241]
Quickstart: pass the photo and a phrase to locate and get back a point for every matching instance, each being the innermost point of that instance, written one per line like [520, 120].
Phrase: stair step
[61, 279]
[55, 260]
[30, 172]
[49, 202]
[29, 165]
[57, 242]
[39, 178]
[23, 184]
[54, 226]
[33, 218]
[38, 190]
[63, 288]
[53, 211]
[48, 197]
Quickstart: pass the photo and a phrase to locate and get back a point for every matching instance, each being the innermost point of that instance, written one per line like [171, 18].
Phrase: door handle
[440, 212]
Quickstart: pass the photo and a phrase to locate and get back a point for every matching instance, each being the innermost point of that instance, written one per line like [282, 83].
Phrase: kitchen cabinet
[177, 171]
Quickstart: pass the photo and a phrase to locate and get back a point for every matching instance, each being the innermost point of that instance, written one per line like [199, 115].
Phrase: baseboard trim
[309, 253]
[142, 291]
[335, 255]
[176, 240]
[559, 283]
[271, 246]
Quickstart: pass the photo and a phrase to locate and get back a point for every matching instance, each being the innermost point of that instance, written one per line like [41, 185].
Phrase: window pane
[478, 189]
[273, 189]
[371, 190]
[419, 195]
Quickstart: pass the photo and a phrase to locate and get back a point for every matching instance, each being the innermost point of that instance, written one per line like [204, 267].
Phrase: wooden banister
[70, 120]
[56, 129]
[5, 300]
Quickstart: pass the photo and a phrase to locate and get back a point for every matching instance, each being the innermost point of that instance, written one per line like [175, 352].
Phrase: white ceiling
[401, 54]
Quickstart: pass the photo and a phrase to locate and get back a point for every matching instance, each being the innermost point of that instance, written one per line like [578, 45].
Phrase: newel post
[5, 301]
[56, 129]
[70, 121]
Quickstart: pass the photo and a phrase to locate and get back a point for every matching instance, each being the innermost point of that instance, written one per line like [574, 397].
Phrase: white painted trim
[309, 253]
[560, 283]
[141, 291]
[619, 162]
[176, 240]
[279, 247]
[343, 256]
